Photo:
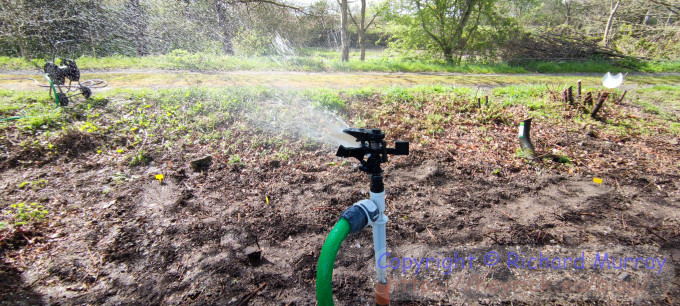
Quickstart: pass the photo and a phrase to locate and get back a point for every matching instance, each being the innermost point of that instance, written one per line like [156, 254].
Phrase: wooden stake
[578, 91]
[570, 95]
[589, 99]
[600, 101]
[622, 96]
[486, 99]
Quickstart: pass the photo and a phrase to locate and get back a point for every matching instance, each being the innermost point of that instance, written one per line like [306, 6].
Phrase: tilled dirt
[116, 234]
[183, 241]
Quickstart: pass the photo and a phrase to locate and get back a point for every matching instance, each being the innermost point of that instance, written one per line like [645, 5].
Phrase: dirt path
[338, 80]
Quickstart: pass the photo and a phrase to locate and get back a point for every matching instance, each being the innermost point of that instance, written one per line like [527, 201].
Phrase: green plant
[40, 184]
[141, 158]
[326, 99]
[562, 159]
[23, 214]
[235, 161]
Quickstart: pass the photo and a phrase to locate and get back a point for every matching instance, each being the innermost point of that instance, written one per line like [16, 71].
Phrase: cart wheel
[63, 99]
[87, 92]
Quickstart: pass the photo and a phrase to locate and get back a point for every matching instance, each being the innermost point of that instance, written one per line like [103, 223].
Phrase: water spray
[363, 213]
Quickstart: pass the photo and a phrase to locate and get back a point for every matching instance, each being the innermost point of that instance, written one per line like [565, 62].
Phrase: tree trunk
[138, 28]
[344, 35]
[605, 38]
[670, 17]
[362, 31]
[567, 4]
[646, 20]
[223, 23]
[448, 55]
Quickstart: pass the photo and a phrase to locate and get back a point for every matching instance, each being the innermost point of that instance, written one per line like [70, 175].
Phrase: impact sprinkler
[363, 213]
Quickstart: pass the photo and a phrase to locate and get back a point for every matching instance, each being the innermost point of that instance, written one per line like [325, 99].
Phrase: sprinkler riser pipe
[377, 185]
[379, 199]
[379, 248]
[525, 138]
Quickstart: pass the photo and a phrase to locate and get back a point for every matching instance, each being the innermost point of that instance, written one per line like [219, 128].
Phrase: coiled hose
[324, 270]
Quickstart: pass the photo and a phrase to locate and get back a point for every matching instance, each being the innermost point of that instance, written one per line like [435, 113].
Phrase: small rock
[624, 276]
[201, 164]
[108, 204]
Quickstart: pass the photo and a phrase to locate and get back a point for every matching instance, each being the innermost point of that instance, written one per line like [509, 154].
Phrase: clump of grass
[325, 99]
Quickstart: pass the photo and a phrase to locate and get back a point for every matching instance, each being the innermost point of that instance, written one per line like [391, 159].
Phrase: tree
[29, 28]
[344, 33]
[567, 6]
[137, 26]
[605, 37]
[673, 6]
[223, 11]
[362, 27]
[448, 26]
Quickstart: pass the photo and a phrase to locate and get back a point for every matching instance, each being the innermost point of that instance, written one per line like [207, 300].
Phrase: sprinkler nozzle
[374, 147]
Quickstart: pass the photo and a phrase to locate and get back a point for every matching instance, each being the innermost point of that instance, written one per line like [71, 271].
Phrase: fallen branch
[248, 297]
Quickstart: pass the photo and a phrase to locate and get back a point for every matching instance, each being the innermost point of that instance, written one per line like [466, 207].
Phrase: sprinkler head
[373, 147]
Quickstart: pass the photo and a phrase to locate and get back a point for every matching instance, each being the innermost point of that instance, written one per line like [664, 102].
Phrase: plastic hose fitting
[360, 215]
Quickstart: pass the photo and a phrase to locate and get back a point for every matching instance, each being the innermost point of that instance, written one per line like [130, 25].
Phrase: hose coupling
[360, 215]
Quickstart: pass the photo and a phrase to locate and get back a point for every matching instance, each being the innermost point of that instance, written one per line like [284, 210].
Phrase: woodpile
[556, 44]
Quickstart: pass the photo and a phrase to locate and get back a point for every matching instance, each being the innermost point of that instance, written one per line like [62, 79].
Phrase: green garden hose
[324, 270]
[52, 89]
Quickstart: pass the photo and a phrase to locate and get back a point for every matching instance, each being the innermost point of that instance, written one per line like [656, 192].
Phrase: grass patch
[310, 59]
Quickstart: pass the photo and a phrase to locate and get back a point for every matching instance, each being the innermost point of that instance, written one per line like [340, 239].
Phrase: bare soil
[116, 235]
[183, 241]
